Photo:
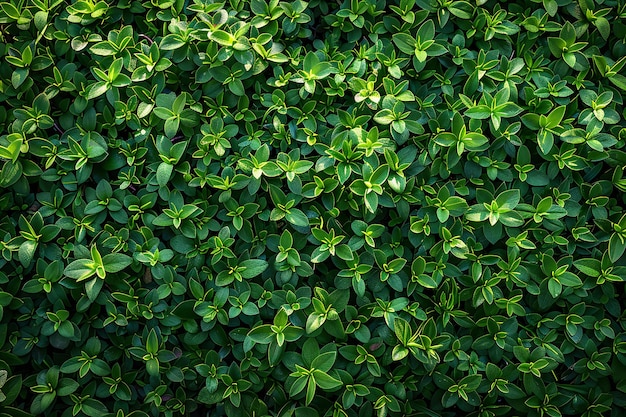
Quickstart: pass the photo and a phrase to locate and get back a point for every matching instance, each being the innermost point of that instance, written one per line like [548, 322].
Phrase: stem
[58, 128]
[146, 37]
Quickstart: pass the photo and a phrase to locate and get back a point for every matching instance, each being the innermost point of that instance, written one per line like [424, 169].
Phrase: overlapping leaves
[315, 208]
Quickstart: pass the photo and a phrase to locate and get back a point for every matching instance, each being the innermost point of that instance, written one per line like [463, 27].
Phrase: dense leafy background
[324, 208]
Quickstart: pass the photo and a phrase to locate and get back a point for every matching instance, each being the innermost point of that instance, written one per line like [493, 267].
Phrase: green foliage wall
[325, 208]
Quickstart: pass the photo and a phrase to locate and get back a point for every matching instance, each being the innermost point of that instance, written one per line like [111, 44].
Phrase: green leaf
[324, 362]
[19, 76]
[384, 117]
[152, 342]
[286, 239]
[222, 37]
[554, 287]
[568, 33]
[380, 175]
[509, 110]
[261, 334]
[463, 9]
[42, 402]
[163, 113]
[104, 48]
[344, 252]
[480, 111]
[555, 117]
[508, 199]
[10, 10]
[396, 265]
[475, 141]
[93, 288]
[115, 262]
[616, 247]
[589, 266]
[171, 126]
[619, 81]
[26, 252]
[477, 213]
[163, 173]
[80, 269]
[171, 42]
[511, 219]
[568, 279]
[298, 386]
[41, 103]
[310, 391]
[604, 27]
[471, 382]
[66, 330]
[314, 322]
[551, 6]
[253, 267]
[402, 330]
[546, 142]
[446, 139]
[399, 352]
[97, 89]
[66, 387]
[179, 104]
[94, 408]
[297, 217]
[319, 255]
[152, 367]
[371, 201]
[325, 381]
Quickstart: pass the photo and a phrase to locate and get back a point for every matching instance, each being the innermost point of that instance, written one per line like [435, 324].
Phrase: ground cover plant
[324, 208]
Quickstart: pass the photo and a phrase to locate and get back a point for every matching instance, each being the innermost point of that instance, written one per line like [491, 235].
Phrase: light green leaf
[80, 269]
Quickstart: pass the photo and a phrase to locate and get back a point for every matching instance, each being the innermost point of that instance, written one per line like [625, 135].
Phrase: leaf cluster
[312, 208]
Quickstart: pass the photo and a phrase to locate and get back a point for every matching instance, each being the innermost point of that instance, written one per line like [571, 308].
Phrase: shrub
[323, 208]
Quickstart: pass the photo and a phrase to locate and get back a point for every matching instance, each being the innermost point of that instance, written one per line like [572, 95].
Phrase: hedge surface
[323, 208]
